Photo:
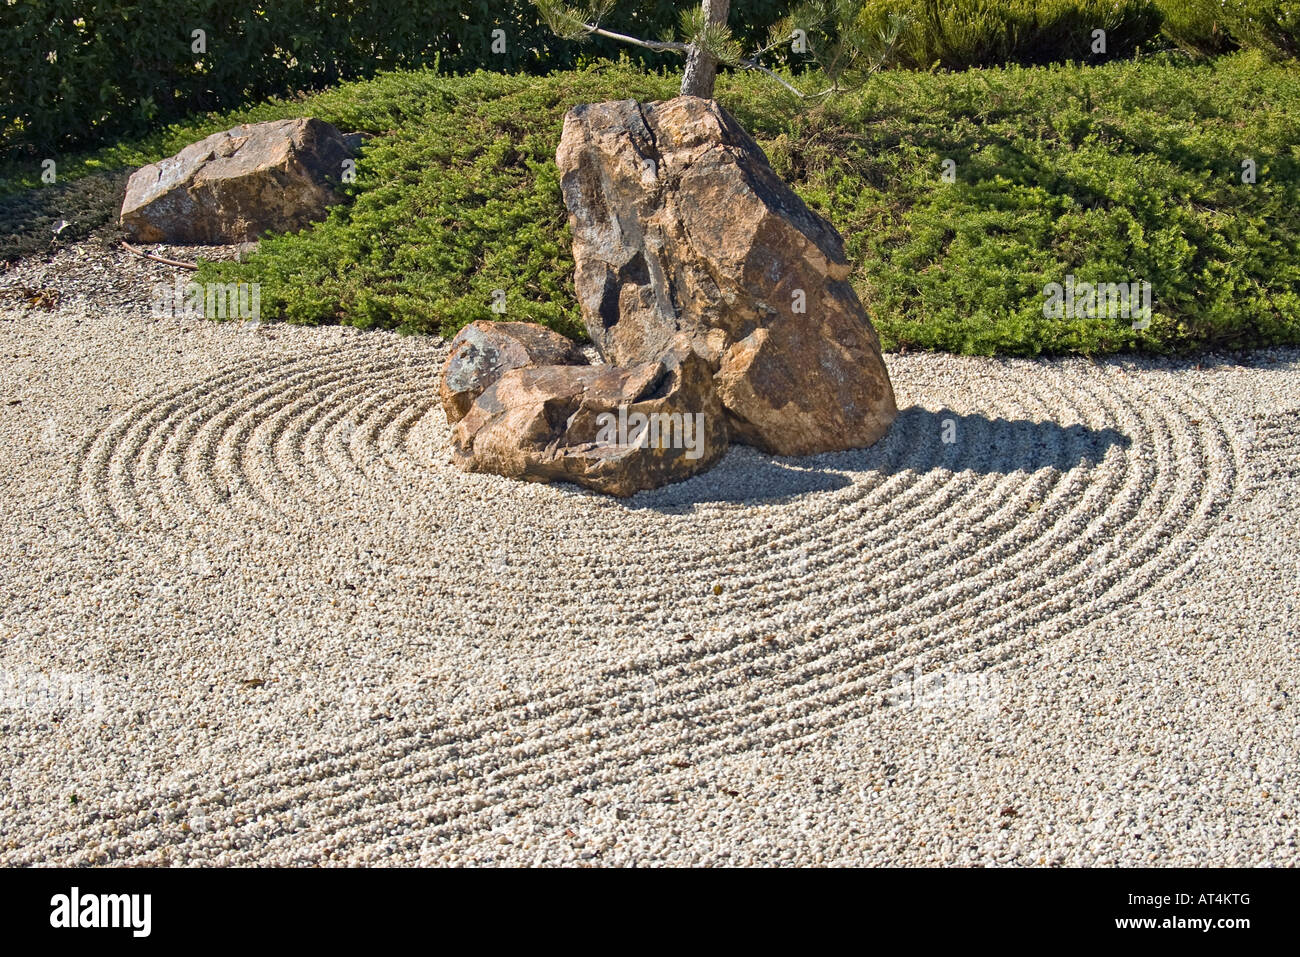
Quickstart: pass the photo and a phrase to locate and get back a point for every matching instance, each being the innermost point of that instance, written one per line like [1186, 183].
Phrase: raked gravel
[252, 614]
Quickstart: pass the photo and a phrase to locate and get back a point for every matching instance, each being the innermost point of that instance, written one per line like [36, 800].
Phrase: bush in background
[959, 34]
[78, 72]
[1272, 26]
[1212, 27]
[1197, 26]
[1119, 173]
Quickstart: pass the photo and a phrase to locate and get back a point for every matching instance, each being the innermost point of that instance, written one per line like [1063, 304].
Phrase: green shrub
[1272, 26]
[79, 72]
[1196, 26]
[1128, 171]
[1210, 27]
[958, 34]
[1124, 172]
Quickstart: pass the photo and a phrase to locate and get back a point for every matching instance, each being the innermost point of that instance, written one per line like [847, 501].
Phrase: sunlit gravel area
[251, 614]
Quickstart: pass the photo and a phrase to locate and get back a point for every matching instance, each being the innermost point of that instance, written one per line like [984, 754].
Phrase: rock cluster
[713, 294]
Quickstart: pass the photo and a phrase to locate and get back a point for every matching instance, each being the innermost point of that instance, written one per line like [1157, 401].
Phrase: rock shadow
[920, 440]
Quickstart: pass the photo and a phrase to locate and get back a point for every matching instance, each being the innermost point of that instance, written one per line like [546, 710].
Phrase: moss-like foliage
[1123, 172]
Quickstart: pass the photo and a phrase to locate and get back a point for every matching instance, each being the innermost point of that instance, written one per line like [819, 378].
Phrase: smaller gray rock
[484, 351]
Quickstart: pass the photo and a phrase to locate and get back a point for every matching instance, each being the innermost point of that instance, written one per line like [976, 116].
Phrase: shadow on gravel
[921, 440]
[745, 475]
[40, 221]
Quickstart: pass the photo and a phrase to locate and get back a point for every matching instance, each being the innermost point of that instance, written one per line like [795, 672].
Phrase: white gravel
[252, 614]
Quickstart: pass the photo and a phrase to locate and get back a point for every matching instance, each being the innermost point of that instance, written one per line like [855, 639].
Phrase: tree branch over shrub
[829, 33]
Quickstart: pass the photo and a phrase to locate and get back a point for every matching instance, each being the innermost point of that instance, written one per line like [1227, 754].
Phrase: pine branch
[845, 51]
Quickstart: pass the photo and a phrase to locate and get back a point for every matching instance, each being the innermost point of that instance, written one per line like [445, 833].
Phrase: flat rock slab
[235, 186]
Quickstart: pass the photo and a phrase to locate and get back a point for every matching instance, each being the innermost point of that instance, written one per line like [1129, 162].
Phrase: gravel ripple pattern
[254, 615]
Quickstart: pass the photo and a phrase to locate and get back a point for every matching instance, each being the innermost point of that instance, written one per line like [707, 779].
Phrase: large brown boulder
[614, 429]
[233, 187]
[680, 225]
[483, 351]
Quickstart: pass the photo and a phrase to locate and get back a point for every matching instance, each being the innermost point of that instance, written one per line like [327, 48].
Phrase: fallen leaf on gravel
[43, 298]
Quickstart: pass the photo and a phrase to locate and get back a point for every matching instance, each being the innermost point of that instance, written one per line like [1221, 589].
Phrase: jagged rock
[483, 351]
[719, 301]
[583, 424]
[233, 187]
[680, 225]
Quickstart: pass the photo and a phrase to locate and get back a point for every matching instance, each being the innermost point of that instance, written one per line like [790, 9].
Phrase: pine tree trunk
[701, 68]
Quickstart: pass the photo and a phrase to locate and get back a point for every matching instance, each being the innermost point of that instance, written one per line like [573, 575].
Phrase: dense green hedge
[1124, 171]
[1128, 171]
[1197, 26]
[1209, 27]
[958, 34]
[1269, 25]
[78, 72]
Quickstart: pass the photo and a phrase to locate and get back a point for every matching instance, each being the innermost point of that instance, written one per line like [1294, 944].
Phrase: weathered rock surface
[235, 186]
[614, 429]
[719, 301]
[681, 226]
[483, 351]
